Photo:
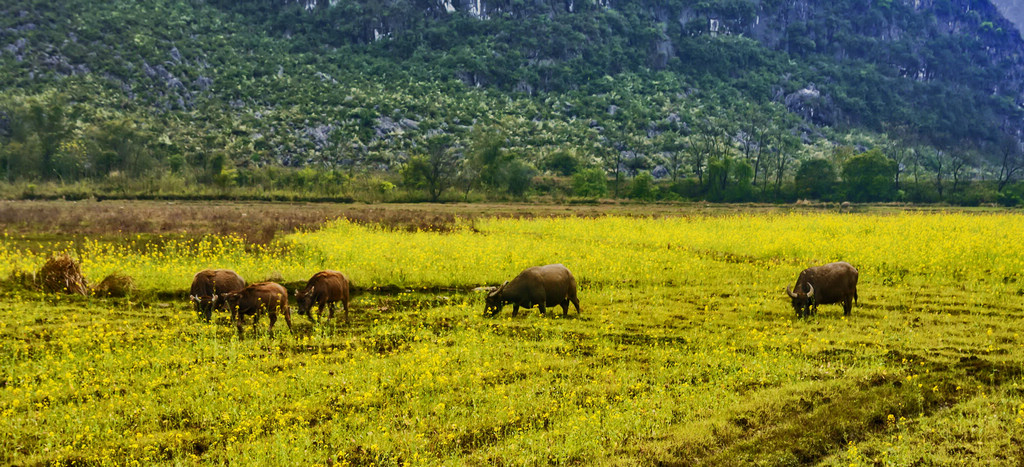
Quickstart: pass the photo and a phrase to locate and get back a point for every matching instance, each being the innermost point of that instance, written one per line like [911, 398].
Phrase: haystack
[115, 285]
[62, 274]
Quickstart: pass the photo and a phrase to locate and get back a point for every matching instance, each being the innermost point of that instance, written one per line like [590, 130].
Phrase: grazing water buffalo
[543, 286]
[831, 283]
[325, 288]
[256, 299]
[210, 282]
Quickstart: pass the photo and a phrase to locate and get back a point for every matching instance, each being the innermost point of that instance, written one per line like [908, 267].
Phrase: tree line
[700, 157]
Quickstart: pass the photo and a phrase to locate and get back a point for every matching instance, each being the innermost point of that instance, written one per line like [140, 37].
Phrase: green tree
[1011, 160]
[590, 183]
[869, 177]
[21, 158]
[741, 187]
[120, 145]
[562, 162]
[643, 187]
[518, 177]
[436, 169]
[815, 179]
[497, 168]
[487, 155]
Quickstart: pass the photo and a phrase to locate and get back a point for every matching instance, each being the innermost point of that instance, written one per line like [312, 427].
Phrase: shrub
[869, 177]
[815, 179]
[590, 183]
[643, 187]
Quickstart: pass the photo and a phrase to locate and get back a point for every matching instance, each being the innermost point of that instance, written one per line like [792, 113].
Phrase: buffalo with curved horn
[540, 286]
[826, 284]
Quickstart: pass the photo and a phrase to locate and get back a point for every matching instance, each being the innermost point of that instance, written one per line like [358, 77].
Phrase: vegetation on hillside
[401, 100]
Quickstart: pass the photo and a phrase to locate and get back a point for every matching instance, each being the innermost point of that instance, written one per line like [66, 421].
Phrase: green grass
[708, 369]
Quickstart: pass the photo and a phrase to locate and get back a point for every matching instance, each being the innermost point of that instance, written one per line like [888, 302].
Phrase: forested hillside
[407, 99]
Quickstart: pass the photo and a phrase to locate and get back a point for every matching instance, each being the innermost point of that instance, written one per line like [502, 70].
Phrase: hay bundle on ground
[62, 274]
[115, 285]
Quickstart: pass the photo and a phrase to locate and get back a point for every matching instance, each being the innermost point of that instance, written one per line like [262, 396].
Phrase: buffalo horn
[790, 292]
[499, 289]
[810, 293]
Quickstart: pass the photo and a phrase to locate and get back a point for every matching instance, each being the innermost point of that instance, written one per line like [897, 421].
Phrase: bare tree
[959, 161]
[708, 143]
[1011, 161]
[436, 169]
[939, 162]
[784, 149]
[899, 150]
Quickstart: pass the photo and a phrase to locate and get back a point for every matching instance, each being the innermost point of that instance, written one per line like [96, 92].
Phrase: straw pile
[115, 285]
[62, 274]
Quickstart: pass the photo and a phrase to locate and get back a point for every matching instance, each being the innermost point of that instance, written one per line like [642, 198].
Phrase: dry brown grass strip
[261, 223]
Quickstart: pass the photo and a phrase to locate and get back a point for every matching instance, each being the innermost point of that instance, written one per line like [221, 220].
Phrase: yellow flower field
[902, 249]
[686, 349]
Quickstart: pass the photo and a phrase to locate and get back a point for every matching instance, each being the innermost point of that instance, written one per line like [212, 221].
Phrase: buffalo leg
[515, 309]
[256, 319]
[847, 306]
[238, 324]
[273, 319]
[543, 309]
[288, 319]
[320, 310]
[330, 311]
[344, 304]
[565, 307]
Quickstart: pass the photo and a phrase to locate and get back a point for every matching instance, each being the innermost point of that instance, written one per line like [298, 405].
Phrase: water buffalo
[543, 286]
[269, 297]
[325, 288]
[210, 282]
[830, 283]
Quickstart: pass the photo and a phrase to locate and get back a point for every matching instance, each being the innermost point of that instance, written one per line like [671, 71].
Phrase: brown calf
[256, 299]
[325, 288]
[210, 282]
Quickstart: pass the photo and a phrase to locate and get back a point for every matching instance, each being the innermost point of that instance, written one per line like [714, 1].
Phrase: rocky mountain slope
[212, 85]
[1013, 10]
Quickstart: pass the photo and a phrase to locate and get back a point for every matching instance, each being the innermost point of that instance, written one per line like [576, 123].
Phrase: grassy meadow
[686, 350]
